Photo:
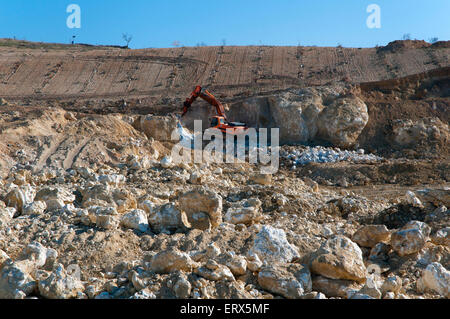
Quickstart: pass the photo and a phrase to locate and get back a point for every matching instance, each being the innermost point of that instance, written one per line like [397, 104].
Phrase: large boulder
[290, 281]
[55, 198]
[60, 285]
[159, 128]
[165, 218]
[296, 115]
[106, 196]
[202, 207]
[435, 278]
[35, 252]
[215, 272]
[16, 281]
[102, 217]
[437, 196]
[97, 195]
[245, 212]
[237, 265]
[135, 219]
[334, 287]
[410, 239]
[3, 258]
[271, 246]
[6, 214]
[35, 208]
[370, 235]
[339, 258]
[171, 260]
[342, 121]
[19, 197]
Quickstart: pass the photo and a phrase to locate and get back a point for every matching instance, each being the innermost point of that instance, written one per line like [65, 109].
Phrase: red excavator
[220, 121]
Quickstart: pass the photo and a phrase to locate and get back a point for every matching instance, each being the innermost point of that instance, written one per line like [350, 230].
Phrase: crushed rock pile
[304, 155]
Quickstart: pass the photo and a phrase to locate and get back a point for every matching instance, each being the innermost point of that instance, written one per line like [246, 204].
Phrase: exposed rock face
[159, 128]
[436, 278]
[60, 285]
[408, 133]
[339, 258]
[370, 235]
[343, 121]
[202, 207]
[296, 115]
[212, 230]
[304, 115]
[290, 281]
[271, 246]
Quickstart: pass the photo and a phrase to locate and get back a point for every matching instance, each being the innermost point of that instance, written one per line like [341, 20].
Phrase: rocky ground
[92, 204]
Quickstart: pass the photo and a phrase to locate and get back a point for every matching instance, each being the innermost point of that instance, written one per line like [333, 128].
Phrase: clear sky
[158, 23]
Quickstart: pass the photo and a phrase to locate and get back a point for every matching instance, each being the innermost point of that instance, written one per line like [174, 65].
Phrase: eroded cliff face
[302, 116]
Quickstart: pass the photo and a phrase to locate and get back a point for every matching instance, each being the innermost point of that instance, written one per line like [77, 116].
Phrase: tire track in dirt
[388, 65]
[433, 58]
[56, 142]
[13, 71]
[299, 59]
[173, 72]
[135, 59]
[176, 69]
[91, 77]
[259, 71]
[130, 76]
[212, 75]
[74, 153]
[51, 75]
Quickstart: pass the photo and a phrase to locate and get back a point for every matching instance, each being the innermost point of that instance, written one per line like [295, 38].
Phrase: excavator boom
[208, 97]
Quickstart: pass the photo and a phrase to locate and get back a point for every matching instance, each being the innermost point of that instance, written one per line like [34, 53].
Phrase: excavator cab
[214, 122]
[217, 121]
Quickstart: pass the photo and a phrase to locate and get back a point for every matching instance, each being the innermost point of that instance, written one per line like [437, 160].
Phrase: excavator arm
[208, 97]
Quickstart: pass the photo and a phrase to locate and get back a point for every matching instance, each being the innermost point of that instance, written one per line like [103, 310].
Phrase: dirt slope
[66, 72]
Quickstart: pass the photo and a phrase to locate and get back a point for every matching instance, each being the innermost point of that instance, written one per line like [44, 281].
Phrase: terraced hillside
[33, 72]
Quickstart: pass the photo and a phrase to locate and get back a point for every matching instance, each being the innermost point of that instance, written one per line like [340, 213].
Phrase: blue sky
[158, 23]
